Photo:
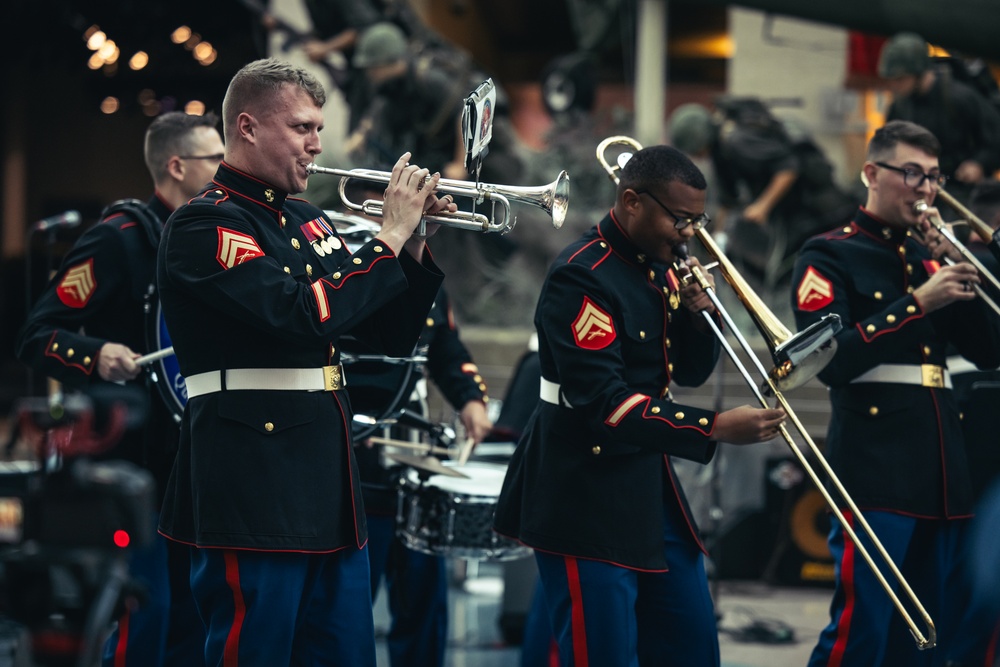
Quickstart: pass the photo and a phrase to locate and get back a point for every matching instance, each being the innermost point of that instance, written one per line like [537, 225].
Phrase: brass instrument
[804, 354]
[552, 198]
[623, 157]
[985, 274]
[984, 231]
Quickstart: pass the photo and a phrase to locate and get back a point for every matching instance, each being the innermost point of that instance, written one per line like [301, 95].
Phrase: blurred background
[84, 78]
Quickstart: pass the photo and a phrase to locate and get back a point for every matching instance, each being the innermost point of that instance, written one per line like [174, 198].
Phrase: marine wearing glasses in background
[895, 437]
[87, 329]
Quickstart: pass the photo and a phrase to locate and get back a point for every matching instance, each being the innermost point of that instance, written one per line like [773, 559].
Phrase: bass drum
[165, 373]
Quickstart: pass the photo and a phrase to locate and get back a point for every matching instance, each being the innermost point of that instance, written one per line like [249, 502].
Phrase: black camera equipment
[68, 521]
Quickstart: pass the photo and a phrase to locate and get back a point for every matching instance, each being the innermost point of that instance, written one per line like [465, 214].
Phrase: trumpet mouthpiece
[681, 251]
[919, 206]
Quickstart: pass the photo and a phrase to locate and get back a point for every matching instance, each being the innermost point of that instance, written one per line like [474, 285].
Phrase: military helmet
[906, 53]
[691, 128]
[380, 44]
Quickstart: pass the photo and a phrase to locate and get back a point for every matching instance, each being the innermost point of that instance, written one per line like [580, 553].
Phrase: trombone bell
[801, 357]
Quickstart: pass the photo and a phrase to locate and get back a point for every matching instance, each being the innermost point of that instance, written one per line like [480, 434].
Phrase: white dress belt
[327, 378]
[550, 393]
[958, 365]
[924, 375]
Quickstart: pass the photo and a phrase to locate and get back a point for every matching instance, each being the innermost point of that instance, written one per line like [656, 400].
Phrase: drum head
[165, 373]
[482, 479]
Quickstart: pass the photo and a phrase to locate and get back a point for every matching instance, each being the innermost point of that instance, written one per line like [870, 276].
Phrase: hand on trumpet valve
[746, 425]
[408, 195]
[947, 285]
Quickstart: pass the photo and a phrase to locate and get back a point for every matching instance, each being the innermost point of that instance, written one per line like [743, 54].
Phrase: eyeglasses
[680, 223]
[217, 157]
[913, 178]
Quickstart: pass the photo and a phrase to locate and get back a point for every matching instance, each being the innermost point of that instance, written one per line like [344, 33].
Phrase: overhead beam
[968, 27]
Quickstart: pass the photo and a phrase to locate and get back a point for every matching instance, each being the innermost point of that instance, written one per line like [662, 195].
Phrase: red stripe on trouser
[847, 582]
[231, 654]
[121, 649]
[579, 628]
[991, 650]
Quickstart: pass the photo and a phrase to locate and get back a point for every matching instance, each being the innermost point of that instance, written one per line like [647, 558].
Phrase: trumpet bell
[552, 198]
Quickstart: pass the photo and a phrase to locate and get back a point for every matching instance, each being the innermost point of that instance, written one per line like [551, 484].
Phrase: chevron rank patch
[593, 329]
[814, 291]
[78, 285]
[236, 248]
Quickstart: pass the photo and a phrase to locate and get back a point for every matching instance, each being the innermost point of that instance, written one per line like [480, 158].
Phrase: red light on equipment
[121, 538]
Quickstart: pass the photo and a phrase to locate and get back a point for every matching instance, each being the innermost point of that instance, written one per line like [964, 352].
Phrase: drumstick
[465, 451]
[154, 356]
[411, 445]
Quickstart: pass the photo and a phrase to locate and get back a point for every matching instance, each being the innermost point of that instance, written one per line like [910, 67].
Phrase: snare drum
[452, 516]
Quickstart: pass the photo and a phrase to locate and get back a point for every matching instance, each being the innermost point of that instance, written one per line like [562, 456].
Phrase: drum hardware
[985, 274]
[347, 358]
[154, 356]
[427, 464]
[797, 359]
[552, 198]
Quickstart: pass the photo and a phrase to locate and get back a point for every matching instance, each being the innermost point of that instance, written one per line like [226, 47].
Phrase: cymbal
[428, 463]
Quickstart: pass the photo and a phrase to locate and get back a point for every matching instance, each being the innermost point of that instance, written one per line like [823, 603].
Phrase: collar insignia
[269, 195]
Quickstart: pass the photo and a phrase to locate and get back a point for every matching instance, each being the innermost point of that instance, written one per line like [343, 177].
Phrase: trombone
[797, 357]
[552, 198]
[980, 227]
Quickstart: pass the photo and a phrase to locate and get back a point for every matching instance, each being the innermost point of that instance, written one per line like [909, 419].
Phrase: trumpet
[797, 358]
[985, 274]
[552, 198]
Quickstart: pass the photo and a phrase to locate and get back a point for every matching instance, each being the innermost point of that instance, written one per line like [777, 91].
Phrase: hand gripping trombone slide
[985, 274]
[798, 358]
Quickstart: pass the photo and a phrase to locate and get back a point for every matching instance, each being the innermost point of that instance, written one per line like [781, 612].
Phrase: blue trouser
[604, 615]
[537, 647]
[417, 586]
[281, 608]
[977, 643]
[164, 628]
[865, 628]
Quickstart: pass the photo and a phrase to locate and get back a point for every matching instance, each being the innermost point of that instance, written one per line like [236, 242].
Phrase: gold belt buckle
[333, 378]
[932, 376]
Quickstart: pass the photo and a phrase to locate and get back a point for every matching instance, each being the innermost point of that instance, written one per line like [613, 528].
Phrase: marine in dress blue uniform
[256, 288]
[417, 583]
[895, 438]
[591, 486]
[97, 298]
